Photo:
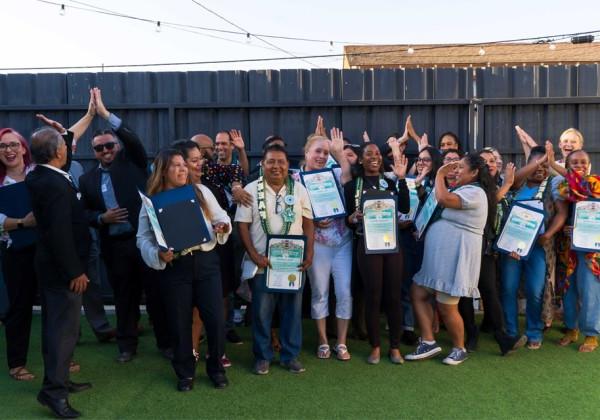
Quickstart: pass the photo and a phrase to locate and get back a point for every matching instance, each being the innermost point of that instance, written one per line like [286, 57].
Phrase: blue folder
[16, 203]
[180, 218]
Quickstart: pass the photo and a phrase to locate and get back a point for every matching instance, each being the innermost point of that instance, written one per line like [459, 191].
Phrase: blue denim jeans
[570, 304]
[588, 291]
[290, 315]
[534, 272]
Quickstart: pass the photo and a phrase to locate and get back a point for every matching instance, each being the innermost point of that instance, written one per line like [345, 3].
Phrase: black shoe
[75, 387]
[185, 385]
[409, 338]
[510, 344]
[126, 356]
[219, 380]
[472, 341]
[105, 337]
[167, 353]
[60, 407]
[233, 337]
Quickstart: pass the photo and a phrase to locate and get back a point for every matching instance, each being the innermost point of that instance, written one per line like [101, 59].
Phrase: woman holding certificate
[372, 202]
[333, 240]
[581, 193]
[190, 277]
[465, 212]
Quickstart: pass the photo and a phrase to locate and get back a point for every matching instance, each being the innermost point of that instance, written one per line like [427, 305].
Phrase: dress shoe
[185, 384]
[105, 337]
[472, 341]
[126, 356]
[60, 407]
[75, 387]
[219, 380]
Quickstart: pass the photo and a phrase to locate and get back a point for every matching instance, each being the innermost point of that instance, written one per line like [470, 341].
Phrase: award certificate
[586, 226]
[158, 233]
[424, 215]
[520, 230]
[380, 225]
[286, 254]
[325, 197]
[414, 200]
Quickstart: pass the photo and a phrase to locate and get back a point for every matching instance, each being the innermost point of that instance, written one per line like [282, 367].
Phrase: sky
[35, 34]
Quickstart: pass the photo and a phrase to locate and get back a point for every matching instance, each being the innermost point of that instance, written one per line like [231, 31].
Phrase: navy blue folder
[15, 203]
[180, 218]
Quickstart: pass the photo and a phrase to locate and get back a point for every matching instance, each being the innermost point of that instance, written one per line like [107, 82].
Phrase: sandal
[571, 336]
[323, 352]
[21, 374]
[589, 345]
[534, 345]
[74, 367]
[342, 353]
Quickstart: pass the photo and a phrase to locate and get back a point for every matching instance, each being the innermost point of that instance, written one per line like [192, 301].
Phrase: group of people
[431, 278]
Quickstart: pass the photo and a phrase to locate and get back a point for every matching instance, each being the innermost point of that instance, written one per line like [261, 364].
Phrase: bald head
[205, 144]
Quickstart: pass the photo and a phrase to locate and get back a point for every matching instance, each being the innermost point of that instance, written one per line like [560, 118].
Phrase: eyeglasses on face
[108, 146]
[14, 145]
[424, 160]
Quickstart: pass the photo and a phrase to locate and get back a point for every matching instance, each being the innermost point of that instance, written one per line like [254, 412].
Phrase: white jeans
[337, 262]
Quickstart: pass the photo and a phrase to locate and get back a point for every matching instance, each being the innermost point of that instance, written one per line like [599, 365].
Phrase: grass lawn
[551, 382]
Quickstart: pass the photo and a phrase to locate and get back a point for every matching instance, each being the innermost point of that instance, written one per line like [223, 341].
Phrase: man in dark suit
[60, 264]
[110, 195]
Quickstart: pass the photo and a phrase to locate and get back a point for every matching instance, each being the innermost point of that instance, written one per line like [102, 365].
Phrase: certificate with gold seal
[285, 254]
[380, 222]
[521, 230]
[586, 226]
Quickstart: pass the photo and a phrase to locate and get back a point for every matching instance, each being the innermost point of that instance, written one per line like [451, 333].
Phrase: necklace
[287, 215]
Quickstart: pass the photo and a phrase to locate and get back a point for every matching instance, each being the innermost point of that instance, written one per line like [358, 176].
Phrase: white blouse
[146, 241]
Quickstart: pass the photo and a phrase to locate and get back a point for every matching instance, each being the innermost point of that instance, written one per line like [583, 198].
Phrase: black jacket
[64, 238]
[128, 173]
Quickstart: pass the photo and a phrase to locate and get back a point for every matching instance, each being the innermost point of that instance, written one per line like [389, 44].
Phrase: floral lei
[288, 214]
[576, 188]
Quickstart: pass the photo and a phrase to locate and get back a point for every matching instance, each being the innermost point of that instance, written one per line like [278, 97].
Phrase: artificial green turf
[550, 382]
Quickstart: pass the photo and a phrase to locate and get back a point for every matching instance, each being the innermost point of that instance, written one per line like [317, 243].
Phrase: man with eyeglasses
[110, 194]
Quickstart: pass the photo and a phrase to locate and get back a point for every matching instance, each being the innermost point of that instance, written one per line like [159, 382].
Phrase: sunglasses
[108, 146]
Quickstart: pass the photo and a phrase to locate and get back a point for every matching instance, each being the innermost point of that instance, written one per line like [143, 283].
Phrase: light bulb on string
[552, 46]
[248, 38]
[62, 10]
[481, 51]
[410, 50]
[158, 27]
[330, 45]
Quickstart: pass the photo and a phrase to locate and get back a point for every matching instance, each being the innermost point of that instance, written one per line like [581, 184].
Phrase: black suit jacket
[64, 238]
[128, 173]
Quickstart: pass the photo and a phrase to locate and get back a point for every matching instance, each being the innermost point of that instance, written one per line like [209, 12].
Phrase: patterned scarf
[576, 188]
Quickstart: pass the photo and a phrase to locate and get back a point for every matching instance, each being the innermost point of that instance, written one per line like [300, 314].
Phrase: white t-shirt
[250, 215]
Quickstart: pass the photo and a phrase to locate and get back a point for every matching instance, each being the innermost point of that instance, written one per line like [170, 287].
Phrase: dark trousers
[194, 280]
[381, 276]
[93, 304]
[490, 295]
[19, 276]
[358, 297]
[60, 327]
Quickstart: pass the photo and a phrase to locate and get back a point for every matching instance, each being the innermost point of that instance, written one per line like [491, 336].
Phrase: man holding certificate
[277, 232]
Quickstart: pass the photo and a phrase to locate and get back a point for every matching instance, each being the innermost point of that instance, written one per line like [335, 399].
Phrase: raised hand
[549, 152]
[237, 139]
[54, 124]
[400, 166]
[423, 141]
[509, 173]
[320, 128]
[100, 108]
[524, 137]
[365, 137]
[419, 179]
[91, 112]
[411, 130]
[337, 141]
[447, 168]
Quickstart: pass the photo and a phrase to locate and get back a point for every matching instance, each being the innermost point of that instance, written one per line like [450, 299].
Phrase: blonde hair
[572, 131]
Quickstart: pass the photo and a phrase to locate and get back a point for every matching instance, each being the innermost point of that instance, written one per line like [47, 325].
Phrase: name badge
[104, 188]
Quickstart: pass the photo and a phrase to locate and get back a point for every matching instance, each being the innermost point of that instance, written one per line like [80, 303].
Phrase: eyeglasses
[108, 146]
[14, 145]
[278, 204]
[424, 160]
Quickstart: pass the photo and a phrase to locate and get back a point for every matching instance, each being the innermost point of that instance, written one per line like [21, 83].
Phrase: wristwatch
[20, 224]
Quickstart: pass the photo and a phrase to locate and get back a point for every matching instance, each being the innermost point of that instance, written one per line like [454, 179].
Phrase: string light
[481, 51]
[410, 50]
[330, 45]
[248, 38]
[158, 27]
[552, 46]
[62, 10]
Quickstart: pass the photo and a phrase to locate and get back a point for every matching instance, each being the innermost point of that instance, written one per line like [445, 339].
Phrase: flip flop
[21, 374]
[324, 352]
[342, 353]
